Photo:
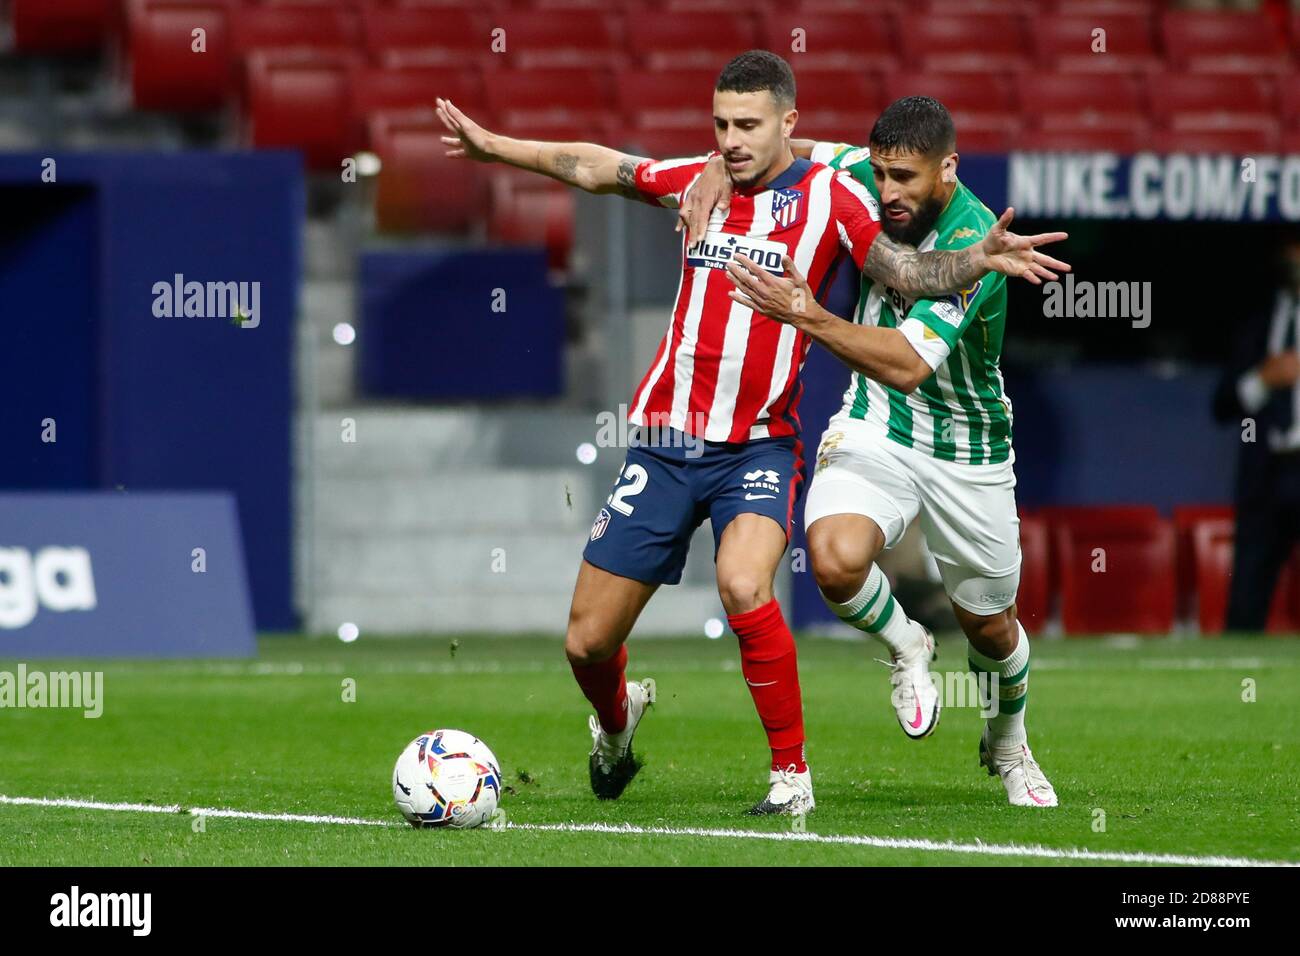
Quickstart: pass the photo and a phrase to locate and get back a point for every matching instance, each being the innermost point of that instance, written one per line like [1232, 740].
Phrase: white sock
[874, 611]
[1007, 726]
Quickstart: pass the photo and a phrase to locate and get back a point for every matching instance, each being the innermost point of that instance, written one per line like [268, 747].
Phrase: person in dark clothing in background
[1260, 393]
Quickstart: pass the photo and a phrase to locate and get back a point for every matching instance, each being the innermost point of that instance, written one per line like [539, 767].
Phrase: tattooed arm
[916, 274]
[595, 169]
[927, 274]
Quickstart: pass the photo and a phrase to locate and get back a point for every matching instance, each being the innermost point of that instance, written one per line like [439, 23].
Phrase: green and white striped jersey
[960, 413]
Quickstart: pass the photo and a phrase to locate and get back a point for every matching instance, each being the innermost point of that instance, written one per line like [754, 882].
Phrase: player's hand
[711, 191]
[1281, 370]
[1017, 256]
[469, 140]
[785, 298]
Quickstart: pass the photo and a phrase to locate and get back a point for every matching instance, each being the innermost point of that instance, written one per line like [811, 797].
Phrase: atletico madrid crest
[787, 207]
[602, 522]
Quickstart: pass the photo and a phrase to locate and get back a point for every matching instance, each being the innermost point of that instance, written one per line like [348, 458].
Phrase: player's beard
[918, 226]
[749, 182]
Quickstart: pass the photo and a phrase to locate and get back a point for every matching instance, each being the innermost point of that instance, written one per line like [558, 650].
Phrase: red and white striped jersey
[724, 372]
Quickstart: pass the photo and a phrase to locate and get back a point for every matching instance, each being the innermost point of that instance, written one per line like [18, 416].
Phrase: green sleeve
[949, 316]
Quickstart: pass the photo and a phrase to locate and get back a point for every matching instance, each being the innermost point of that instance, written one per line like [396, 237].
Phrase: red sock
[771, 668]
[606, 688]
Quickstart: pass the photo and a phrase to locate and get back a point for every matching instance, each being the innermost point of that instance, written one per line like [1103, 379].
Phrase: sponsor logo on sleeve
[948, 312]
[855, 156]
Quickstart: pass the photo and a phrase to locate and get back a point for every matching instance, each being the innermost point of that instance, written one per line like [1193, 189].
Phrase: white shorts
[968, 512]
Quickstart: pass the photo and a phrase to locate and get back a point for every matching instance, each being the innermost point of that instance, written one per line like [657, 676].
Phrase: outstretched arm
[595, 169]
[941, 272]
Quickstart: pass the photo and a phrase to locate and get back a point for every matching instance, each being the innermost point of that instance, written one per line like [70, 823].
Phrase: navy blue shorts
[665, 492]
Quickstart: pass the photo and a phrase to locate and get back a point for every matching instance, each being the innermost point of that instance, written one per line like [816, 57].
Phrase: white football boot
[1026, 784]
[612, 764]
[790, 793]
[915, 697]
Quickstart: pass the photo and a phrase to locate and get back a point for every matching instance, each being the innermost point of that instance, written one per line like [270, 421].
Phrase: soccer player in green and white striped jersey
[925, 430]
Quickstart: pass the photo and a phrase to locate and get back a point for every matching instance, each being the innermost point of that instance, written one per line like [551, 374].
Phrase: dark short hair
[915, 124]
[756, 70]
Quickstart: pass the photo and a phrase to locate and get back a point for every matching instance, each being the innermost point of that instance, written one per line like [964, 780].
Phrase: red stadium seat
[986, 132]
[1212, 548]
[602, 6]
[301, 99]
[1084, 111]
[832, 41]
[392, 88]
[982, 106]
[1224, 42]
[579, 39]
[1112, 139]
[1064, 42]
[1236, 142]
[1289, 142]
[1197, 101]
[971, 93]
[1135, 593]
[296, 25]
[1187, 518]
[428, 37]
[165, 71]
[841, 104]
[965, 44]
[665, 142]
[947, 8]
[866, 8]
[61, 26]
[688, 40]
[534, 211]
[679, 100]
[452, 5]
[1146, 8]
[1034, 599]
[1228, 113]
[420, 188]
[1075, 94]
[553, 104]
[376, 89]
[1288, 89]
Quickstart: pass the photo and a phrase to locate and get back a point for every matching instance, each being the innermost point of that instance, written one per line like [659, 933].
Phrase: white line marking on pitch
[887, 843]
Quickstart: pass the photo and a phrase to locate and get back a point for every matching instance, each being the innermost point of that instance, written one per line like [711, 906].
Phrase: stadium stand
[333, 78]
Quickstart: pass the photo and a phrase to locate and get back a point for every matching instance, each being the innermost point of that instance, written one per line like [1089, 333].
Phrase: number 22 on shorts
[637, 477]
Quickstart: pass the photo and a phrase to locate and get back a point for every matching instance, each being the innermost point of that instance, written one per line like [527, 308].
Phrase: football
[447, 778]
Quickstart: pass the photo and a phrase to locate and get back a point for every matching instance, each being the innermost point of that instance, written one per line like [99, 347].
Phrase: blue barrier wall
[97, 574]
[147, 402]
[450, 325]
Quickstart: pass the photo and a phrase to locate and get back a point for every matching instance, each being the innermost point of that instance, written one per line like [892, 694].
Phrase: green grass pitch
[1153, 734]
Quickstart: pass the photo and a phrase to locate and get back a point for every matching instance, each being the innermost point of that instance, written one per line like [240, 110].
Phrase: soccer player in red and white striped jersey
[720, 365]
[728, 377]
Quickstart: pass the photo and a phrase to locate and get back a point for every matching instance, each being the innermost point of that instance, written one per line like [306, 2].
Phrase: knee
[743, 591]
[839, 574]
[584, 643]
[993, 634]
